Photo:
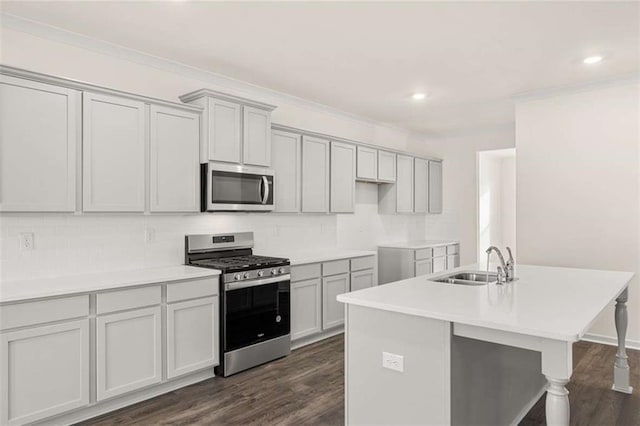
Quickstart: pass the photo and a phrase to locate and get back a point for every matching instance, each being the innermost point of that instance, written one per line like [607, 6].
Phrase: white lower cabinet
[44, 371]
[439, 264]
[332, 310]
[191, 335]
[362, 279]
[306, 308]
[128, 351]
[423, 267]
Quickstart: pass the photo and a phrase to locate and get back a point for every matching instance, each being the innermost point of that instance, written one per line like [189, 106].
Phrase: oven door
[256, 311]
[238, 188]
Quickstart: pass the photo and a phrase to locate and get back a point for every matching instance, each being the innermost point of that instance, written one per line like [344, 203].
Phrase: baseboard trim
[525, 410]
[104, 407]
[297, 344]
[611, 341]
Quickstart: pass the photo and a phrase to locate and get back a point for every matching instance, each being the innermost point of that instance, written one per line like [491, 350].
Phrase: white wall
[577, 186]
[94, 242]
[508, 201]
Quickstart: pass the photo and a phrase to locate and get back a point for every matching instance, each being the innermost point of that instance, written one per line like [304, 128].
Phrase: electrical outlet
[149, 235]
[393, 361]
[26, 241]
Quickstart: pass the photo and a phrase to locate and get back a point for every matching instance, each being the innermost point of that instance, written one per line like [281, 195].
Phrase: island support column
[557, 366]
[621, 365]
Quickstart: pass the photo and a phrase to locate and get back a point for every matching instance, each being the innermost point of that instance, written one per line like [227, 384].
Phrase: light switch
[393, 361]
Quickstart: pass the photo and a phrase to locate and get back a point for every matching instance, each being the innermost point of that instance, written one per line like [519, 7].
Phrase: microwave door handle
[265, 184]
[260, 185]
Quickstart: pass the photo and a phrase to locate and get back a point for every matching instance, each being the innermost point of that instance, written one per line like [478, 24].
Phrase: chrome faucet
[505, 270]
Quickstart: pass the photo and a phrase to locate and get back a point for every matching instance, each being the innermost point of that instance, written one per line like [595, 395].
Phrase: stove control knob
[260, 273]
[282, 271]
[274, 271]
[246, 275]
[237, 277]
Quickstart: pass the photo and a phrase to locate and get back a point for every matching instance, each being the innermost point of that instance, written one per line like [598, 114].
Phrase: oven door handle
[255, 283]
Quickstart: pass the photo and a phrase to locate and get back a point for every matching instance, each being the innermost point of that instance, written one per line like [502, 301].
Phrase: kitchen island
[424, 352]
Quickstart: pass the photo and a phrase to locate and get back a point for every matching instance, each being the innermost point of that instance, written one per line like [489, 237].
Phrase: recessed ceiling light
[590, 60]
[418, 96]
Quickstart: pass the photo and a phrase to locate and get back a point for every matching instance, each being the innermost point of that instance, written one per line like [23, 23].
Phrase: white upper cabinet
[39, 130]
[421, 185]
[343, 177]
[404, 184]
[223, 131]
[315, 175]
[435, 187]
[386, 166]
[286, 162]
[256, 136]
[234, 130]
[114, 133]
[367, 164]
[174, 163]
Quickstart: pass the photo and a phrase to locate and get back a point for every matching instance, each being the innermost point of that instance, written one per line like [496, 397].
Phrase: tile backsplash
[85, 243]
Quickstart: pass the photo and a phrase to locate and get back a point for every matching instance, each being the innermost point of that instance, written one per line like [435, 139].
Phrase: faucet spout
[499, 253]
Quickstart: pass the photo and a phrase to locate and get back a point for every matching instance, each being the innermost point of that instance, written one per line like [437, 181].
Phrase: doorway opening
[496, 201]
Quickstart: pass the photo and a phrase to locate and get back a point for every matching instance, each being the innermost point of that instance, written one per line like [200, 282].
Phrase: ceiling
[367, 58]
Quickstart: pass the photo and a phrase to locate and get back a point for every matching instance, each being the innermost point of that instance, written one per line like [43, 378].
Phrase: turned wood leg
[621, 365]
[557, 403]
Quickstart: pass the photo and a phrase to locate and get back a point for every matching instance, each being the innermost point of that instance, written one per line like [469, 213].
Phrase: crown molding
[576, 88]
[249, 90]
[192, 96]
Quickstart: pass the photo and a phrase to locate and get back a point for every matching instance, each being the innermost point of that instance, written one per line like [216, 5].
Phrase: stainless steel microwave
[236, 188]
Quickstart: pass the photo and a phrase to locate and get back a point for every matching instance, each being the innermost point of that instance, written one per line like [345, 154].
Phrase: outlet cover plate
[393, 361]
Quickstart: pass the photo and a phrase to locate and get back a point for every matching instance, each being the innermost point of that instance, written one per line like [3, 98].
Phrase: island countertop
[551, 302]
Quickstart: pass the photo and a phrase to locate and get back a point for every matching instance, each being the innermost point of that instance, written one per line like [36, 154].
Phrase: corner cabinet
[114, 135]
[435, 187]
[315, 175]
[39, 134]
[286, 158]
[421, 185]
[234, 129]
[343, 177]
[399, 196]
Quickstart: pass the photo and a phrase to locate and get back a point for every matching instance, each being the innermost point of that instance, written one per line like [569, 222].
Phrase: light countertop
[419, 244]
[298, 257]
[13, 291]
[550, 302]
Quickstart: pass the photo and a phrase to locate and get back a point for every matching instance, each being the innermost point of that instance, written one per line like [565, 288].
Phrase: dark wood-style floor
[306, 388]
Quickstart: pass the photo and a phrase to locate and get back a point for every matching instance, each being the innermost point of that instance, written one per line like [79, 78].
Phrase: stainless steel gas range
[255, 299]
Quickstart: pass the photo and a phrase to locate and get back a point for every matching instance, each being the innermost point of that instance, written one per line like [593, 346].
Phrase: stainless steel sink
[467, 278]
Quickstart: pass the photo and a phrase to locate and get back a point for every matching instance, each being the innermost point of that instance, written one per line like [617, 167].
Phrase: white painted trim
[528, 406]
[246, 89]
[575, 88]
[610, 341]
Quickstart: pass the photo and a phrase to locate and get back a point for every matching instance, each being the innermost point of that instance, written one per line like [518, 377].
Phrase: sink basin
[468, 278]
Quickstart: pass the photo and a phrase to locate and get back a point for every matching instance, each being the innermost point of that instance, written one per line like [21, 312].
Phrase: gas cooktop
[240, 263]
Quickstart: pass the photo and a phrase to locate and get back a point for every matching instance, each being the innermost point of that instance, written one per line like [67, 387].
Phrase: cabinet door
[44, 371]
[128, 351]
[421, 185]
[306, 308]
[362, 279]
[404, 183]
[174, 163]
[343, 177]
[256, 136]
[332, 310]
[286, 161]
[192, 336]
[367, 164]
[224, 131]
[315, 175]
[423, 267]
[453, 261]
[439, 264]
[38, 137]
[114, 132]
[386, 166]
[435, 187]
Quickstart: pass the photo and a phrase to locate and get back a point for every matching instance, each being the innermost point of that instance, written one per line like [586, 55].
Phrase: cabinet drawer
[305, 272]
[127, 299]
[360, 263]
[426, 253]
[192, 289]
[335, 267]
[439, 251]
[30, 313]
[453, 249]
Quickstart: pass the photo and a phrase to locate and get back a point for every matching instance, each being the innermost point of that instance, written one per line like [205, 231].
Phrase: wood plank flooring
[306, 388]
